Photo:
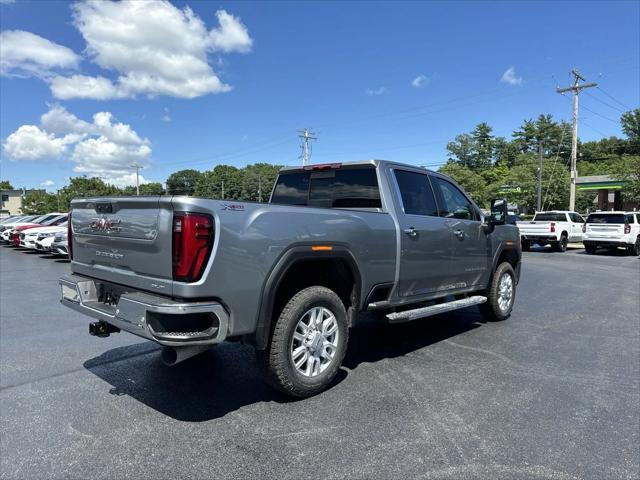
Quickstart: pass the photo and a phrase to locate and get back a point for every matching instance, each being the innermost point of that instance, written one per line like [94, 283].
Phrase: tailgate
[124, 240]
[533, 228]
[604, 230]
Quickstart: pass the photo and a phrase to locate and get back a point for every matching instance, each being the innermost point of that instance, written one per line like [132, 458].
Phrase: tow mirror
[498, 211]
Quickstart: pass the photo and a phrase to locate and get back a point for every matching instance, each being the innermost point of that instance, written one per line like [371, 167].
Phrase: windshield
[550, 217]
[606, 218]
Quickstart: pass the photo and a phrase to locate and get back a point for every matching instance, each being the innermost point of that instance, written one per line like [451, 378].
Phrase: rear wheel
[526, 245]
[561, 246]
[501, 294]
[590, 249]
[308, 343]
[635, 248]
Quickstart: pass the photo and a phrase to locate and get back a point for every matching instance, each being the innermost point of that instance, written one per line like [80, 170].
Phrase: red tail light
[553, 227]
[192, 244]
[627, 228]
[69, 237]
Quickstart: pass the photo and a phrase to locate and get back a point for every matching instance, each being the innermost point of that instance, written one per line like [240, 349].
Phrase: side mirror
[498, 211]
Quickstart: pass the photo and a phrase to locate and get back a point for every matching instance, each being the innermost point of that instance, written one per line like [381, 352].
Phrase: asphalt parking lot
[553, 392]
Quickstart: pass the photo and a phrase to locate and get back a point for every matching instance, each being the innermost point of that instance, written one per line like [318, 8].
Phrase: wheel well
[509, 255]
[564, 232]
[333, 273]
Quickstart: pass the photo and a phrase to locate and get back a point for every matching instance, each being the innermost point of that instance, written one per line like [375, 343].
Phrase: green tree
[631, 177]
[223, 178]
[472, 182]
[461, 149]
[483, 146]
[258, 180]
[80, 187]
[554, 136]
[630, 124]
[149, 189]
[183, 182]
[5, 185]
[39, 201]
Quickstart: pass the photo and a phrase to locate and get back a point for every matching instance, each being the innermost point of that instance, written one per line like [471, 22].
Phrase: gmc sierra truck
[556, 228]
[290, 277]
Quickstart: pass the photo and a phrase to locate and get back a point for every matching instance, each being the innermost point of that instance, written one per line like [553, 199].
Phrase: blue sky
[374, 80]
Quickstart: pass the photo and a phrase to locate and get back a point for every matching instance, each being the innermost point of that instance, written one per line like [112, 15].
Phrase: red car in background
[48, 222]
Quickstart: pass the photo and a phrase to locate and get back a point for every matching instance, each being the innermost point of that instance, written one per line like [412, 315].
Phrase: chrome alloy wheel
[315, 341]
[505, 291]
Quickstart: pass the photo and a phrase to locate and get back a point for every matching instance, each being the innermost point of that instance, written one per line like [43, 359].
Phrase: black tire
[561, 246]
[277, 358]
[590, 249]
[635, 248]
[491, 309]
[526, 245]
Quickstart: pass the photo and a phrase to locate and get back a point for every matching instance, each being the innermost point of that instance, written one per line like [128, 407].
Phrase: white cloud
[124, 180]
[47, 183]
[375, 91]
[82, 86]
[7, 2]
[31, 143]
[155, 47]
[166, 117]
[420, 81]
[510, 78]
[102, 147]
[24, 54]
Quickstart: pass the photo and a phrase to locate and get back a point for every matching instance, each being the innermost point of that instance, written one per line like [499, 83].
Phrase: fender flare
[281, 267]
[499, 251]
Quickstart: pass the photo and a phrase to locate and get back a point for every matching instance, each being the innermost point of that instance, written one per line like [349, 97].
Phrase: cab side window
[416, 193]
[576, 218]
[452, 202]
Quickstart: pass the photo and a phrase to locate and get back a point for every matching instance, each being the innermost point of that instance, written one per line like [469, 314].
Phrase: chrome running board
[408, 315]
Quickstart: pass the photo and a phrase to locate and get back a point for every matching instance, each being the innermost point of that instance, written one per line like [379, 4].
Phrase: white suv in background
[612, 230]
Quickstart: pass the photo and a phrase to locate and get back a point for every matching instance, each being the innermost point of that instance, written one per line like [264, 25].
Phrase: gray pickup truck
[290, 277]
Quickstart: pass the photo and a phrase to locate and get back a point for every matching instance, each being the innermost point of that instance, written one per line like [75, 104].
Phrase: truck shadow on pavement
[227, 377]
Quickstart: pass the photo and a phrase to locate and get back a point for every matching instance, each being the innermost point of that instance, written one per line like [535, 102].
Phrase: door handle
[412, 232]
[459, 233]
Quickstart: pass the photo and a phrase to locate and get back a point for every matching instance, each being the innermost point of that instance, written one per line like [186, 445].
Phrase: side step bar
[408, 315]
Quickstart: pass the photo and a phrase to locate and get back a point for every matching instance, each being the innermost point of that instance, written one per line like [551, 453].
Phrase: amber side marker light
[321, 248]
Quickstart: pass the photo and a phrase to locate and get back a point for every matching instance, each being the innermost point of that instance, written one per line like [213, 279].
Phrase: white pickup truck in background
[612, 230]
[556, 228]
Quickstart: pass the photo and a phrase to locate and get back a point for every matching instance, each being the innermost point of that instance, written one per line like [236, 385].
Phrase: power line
[600, 115]
[603, 102]
[614, 99]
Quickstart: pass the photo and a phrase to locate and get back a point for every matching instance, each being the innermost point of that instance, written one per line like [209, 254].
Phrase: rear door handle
[412, 232]
[459, 233]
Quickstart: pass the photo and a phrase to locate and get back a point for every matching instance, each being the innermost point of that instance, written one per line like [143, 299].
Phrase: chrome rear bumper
[136, 312]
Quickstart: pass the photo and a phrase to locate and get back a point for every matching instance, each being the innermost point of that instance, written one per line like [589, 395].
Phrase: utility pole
[222, 189]
[137, 167]
[306, 135]
[539, 203]
[259, 189]
[576, 88]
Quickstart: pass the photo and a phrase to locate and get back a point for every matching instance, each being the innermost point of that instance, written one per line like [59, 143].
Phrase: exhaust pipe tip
[171, 356]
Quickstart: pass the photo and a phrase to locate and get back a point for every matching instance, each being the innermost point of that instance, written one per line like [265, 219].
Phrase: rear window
[605, 218]
[337, 188]
[550, 217]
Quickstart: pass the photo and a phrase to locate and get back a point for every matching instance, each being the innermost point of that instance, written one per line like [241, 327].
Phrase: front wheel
[308, 343]
[526, 245]
[501, 294]
[590, 249]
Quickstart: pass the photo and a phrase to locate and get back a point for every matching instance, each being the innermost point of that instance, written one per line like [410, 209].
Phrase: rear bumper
[606, 242]
[138, 312]
[538, 238]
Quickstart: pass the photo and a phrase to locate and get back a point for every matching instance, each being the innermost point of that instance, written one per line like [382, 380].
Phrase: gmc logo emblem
[105, 224]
